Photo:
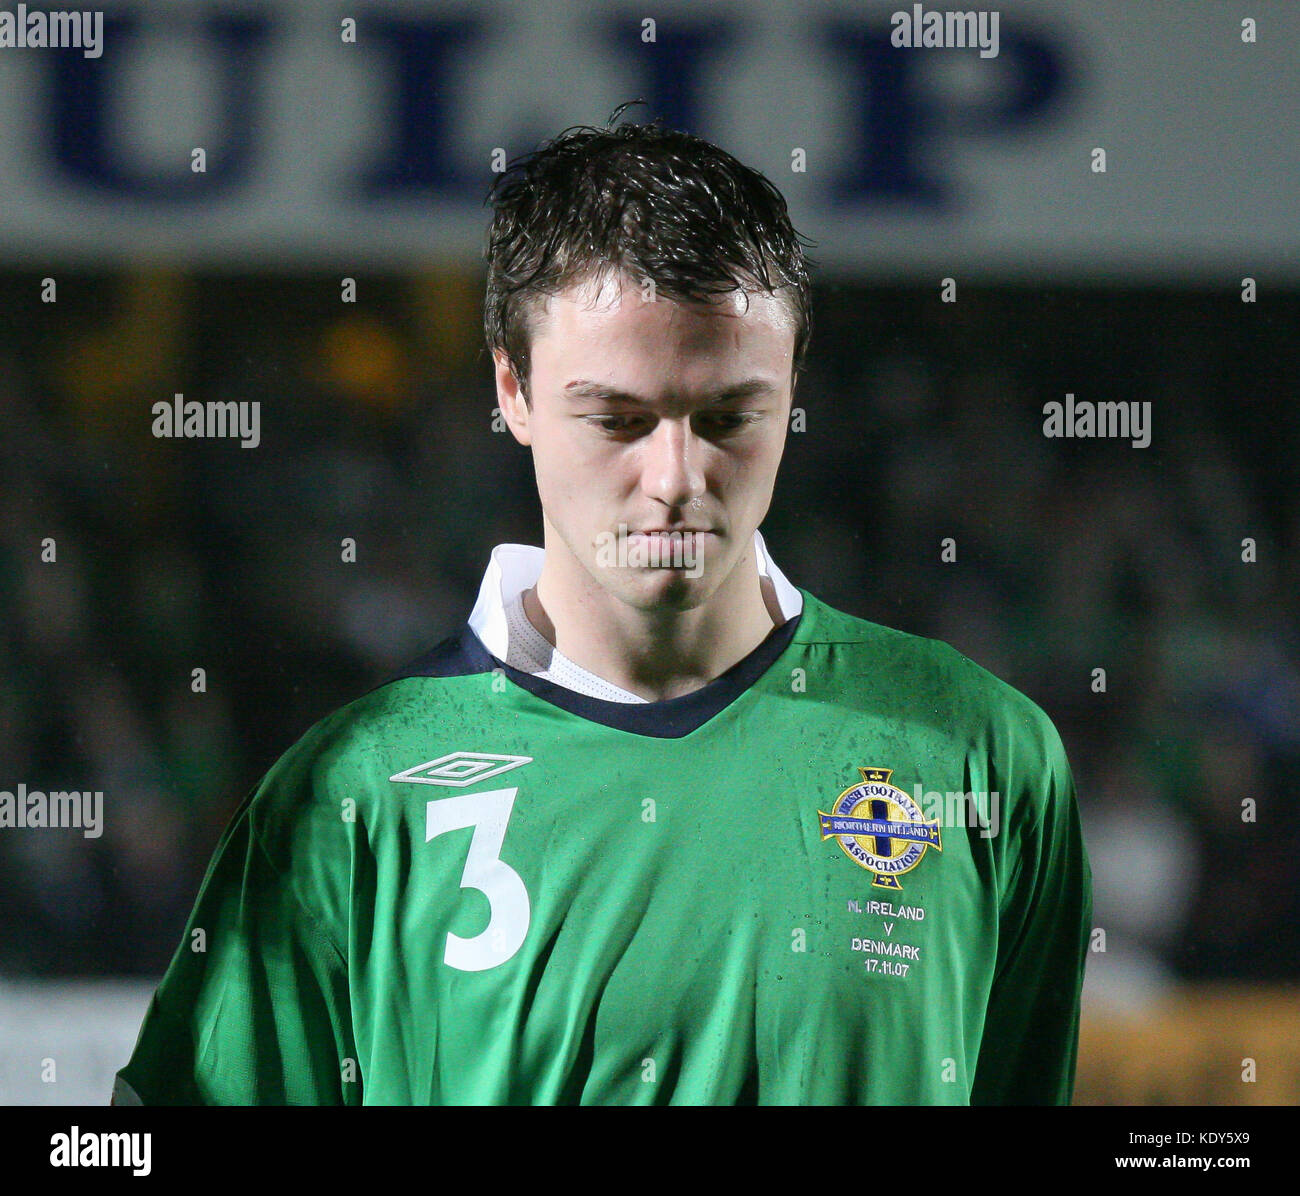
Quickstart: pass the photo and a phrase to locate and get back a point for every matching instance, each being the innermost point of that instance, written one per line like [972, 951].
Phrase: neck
[657, 653]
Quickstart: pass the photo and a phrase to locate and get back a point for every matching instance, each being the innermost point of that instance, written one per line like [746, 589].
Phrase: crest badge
[880, 828]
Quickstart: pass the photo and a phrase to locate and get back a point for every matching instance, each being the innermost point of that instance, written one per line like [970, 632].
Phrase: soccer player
[656, 826]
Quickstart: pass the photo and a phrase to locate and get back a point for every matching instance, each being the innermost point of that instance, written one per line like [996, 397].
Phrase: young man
[656, 825]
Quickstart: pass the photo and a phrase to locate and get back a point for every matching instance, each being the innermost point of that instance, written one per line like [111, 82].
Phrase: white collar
[513, 568]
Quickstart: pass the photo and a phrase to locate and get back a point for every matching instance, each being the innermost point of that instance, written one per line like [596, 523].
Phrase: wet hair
[657, 204]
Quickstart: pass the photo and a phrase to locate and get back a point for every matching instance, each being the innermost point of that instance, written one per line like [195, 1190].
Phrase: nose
[671, 465]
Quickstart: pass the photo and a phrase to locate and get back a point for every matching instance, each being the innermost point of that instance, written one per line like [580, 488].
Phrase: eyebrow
[582, 389]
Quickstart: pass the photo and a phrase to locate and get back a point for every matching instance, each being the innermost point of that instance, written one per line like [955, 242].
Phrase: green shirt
[473, 886]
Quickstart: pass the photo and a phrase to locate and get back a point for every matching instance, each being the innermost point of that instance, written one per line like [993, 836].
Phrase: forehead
[612, 317]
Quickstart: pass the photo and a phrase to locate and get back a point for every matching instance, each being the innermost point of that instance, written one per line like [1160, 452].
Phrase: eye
[615, 423]
[728, 421]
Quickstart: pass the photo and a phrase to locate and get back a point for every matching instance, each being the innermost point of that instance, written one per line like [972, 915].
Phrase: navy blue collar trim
[463, 654]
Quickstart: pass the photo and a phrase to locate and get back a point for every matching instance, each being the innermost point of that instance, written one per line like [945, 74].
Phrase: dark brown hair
[656, 203]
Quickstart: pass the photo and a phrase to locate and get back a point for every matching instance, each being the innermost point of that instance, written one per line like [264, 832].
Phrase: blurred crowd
[923, 421]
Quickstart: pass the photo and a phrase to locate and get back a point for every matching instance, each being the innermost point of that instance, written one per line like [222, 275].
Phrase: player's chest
[656, 892]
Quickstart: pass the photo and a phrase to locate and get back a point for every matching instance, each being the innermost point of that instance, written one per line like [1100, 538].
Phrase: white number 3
[488, 814]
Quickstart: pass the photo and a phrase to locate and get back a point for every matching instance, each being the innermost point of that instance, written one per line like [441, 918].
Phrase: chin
[658, 588]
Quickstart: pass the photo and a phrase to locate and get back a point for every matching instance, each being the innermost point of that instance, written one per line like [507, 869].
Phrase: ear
[510, 399]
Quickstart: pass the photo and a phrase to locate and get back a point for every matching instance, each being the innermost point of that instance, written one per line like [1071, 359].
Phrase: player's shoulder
[339, 765]
[926, 673]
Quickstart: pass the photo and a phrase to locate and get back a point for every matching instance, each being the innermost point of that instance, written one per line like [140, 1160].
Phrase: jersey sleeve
[254, 1008]
[1029, 1047]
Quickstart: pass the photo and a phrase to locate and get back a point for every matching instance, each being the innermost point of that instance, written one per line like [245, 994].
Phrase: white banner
[1097, 138]
[62, 1041]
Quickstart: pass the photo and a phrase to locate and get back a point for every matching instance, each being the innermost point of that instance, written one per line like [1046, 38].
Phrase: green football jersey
[847, 871]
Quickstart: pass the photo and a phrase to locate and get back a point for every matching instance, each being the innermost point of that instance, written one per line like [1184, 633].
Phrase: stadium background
[923, 421]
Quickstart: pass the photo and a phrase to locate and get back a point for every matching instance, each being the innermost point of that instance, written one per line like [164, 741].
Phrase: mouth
[671, 531]
[671, 548]
[676, 535]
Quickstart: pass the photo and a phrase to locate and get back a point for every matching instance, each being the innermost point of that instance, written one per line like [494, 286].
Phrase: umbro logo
[460, 769]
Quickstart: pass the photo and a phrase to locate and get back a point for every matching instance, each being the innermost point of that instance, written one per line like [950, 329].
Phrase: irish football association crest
[880, 828]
